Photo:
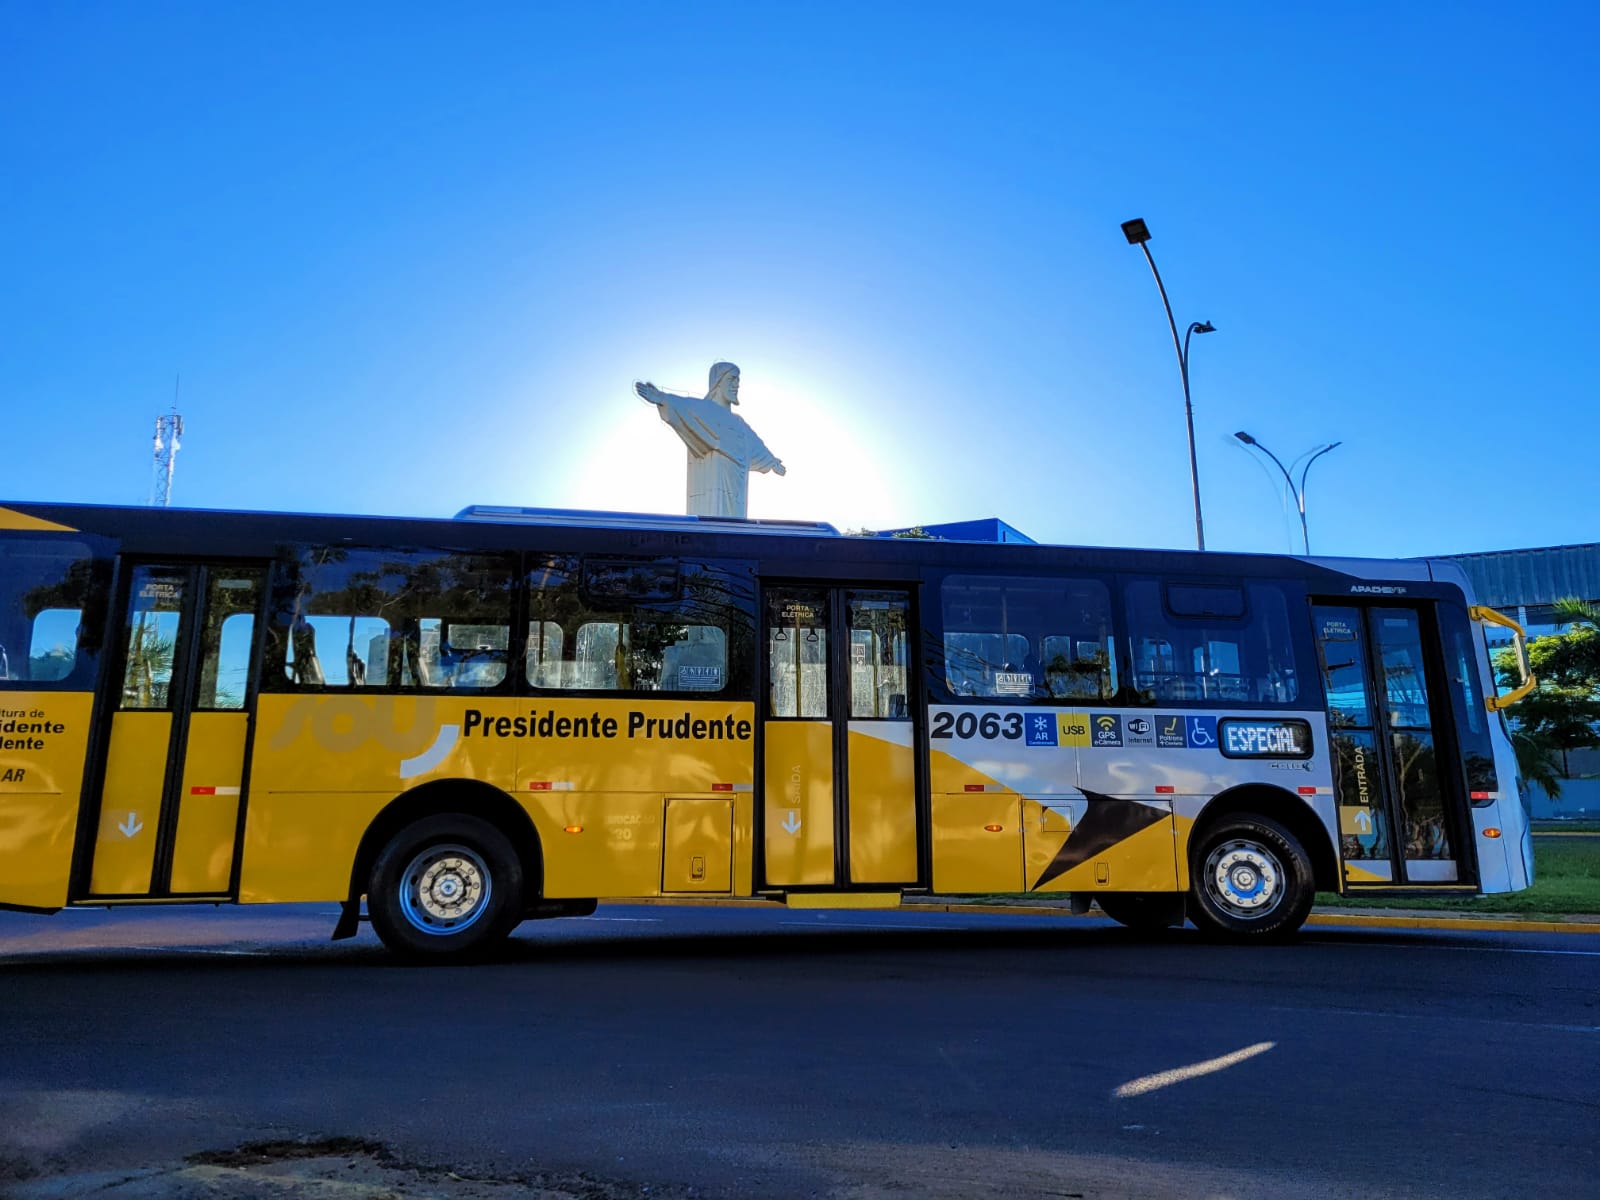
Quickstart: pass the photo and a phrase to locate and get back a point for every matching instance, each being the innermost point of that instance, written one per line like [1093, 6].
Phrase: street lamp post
[1299, 493]
[1138, 234]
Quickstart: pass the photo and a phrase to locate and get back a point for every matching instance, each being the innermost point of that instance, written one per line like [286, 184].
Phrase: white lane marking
[184, 950]
[1470, 949]
[1324, 1010]
[433, 755]
[1149, 1083]
[1519, 950]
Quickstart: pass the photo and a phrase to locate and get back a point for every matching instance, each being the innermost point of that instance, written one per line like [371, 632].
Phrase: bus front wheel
[445, 888]
[1252, 880]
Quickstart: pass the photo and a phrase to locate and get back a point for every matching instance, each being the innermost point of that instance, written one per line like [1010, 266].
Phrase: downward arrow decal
[790, 824]
[132, 825]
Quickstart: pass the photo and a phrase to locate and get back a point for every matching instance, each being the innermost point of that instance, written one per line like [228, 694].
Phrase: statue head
[724, 384]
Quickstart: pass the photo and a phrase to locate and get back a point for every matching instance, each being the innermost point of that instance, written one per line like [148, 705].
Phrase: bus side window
[227, 636]
[1028, 637]
[1215, 643]
[358, 617]
[53, 648]
[545, 640]
[53, 595]
[1467, 700]
[629, 626]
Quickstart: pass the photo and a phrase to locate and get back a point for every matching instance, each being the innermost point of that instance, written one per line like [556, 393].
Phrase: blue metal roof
[1538, 575]
[988, 529]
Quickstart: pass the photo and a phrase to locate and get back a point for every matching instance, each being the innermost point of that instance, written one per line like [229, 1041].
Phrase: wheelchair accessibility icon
[1200, 733]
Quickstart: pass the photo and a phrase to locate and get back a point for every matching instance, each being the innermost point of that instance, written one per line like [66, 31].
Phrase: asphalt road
[765, 1052]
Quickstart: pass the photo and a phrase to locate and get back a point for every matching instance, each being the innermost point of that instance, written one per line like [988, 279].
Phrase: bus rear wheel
[446, 888]
[1147, 911]
[1252, 880]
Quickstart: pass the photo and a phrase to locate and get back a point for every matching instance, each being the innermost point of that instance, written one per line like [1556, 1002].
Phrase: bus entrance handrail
[1480, 612]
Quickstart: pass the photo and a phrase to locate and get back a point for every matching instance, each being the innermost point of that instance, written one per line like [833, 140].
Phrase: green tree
[1563, 713]
[1538, 760]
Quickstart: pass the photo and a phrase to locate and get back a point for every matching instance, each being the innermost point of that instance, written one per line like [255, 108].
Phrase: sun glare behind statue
[840, 467]
[635, 463]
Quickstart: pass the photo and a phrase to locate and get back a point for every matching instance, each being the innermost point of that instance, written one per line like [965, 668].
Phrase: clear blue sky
[408, 258]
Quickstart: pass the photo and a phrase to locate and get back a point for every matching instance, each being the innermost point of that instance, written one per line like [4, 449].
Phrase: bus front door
[1396, 824]
[839, 774]
[172, 763]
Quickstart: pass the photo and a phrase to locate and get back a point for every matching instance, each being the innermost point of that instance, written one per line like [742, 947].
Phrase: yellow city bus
[452, 726]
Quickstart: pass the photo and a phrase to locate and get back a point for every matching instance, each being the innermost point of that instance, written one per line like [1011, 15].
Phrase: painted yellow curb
[693, 902]
[1323, 918]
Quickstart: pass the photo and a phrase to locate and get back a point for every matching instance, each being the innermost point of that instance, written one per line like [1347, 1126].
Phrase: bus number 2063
[989, 727]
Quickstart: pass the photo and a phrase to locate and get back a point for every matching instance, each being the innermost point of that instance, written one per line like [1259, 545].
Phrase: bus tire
[1252, 880]
[445, 888]
[1146, 911]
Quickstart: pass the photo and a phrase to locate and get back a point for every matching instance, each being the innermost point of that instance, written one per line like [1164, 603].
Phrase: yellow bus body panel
[10, 518]
[977, 843]
[665, 747]
[699, 846]
[977, 829]
[948, 774]
[883, 803]
[373, 743]
[600, 844]
[799, 803]
[1140, 862]
[208, 802]
[41, 780]
[300, 846]
[325, 766]
[130, 803]
[1182, 828]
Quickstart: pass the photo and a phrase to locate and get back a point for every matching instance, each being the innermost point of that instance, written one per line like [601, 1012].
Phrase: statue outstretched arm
[762, 459]
[679, 413]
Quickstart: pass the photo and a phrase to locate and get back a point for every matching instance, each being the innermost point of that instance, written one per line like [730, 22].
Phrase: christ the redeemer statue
[723, 449]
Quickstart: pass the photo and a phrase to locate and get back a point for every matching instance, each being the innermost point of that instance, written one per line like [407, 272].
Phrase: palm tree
[1559, 716]
[149, 667]
[1573, 611]
[1538, 760]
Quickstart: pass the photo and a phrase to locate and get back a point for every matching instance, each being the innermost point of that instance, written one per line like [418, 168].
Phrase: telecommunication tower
[169, 429]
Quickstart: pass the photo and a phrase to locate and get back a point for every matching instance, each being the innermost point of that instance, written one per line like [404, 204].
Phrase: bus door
[172, 766]
[1397, 824]
[839, 774]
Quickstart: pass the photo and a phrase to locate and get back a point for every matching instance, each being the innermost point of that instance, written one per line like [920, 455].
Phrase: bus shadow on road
[579, 944]
[535, 945]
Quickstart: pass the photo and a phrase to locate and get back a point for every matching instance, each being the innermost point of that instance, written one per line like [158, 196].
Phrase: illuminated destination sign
[1264, 739]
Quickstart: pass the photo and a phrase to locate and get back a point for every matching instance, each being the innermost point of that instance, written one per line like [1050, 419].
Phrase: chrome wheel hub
[1244, 878]
[445, 889]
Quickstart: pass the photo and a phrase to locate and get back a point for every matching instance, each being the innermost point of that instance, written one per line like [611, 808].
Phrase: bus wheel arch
[1289, 810]
[1275, 841]
[464, 797]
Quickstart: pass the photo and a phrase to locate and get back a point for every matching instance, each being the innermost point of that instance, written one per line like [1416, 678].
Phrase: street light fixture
[1299, 493]
[1138, 234]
